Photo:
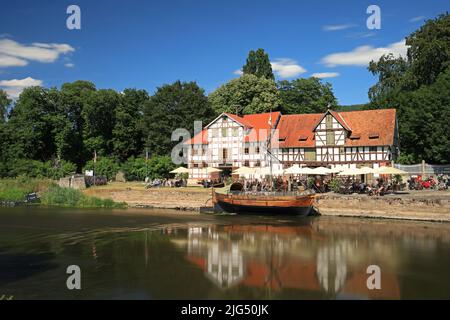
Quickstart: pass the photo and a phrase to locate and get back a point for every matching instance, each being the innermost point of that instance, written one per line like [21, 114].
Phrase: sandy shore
[415, 205]
[136, 196]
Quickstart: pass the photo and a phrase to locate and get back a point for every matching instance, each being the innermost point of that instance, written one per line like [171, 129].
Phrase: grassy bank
[17, 189]
[67, 197]
[14, 190]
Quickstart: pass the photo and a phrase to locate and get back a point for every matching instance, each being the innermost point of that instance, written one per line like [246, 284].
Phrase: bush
[67, 197]
[107, 167]
[17, 189]
[160, 167]
[335, 185]
[135, 169]
[37, 169]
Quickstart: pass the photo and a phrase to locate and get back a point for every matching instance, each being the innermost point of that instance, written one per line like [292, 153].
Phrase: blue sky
[145, 44]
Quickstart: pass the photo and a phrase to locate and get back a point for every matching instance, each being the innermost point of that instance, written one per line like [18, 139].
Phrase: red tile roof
[297, 131]
[258, 125]
[363, 124]
[294, 126]
[371, 122]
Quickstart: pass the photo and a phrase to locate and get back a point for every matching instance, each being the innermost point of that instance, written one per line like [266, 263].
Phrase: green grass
[17, 189]
[67, 197]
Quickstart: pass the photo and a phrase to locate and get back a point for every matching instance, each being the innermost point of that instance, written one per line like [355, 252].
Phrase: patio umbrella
[180, 170]
[265, 171]
[210, 170]
[295, 169]
[389, 170]
[351, 172]
[367, 170]
[322, 171]
[244, 170]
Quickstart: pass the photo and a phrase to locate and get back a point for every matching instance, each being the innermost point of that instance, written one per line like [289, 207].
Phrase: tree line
[51, 132]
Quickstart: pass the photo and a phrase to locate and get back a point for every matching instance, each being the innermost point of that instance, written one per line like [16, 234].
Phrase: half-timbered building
[349, 139]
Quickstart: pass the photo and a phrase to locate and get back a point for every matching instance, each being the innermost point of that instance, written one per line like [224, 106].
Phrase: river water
[151, 254]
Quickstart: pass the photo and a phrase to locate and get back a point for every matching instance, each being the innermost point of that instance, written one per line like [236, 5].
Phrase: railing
[271, 193]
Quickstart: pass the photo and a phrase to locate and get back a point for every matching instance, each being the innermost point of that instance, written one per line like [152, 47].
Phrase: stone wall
[75, 182]
[414, 208]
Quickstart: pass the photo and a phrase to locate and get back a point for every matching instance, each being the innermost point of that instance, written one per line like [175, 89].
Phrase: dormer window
[373, 135]
[355, 136]
[302, 138]
[282, 139]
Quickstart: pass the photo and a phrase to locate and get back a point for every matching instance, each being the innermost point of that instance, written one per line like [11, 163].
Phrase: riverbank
[136, 196]
[26, 191]
[424, 205]
[414, 205]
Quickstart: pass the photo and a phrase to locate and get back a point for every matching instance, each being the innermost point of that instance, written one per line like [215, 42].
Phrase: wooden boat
[233, 200]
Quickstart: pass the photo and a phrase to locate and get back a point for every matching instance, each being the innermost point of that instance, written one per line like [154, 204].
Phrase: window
[214, 133]
[246, 151]
[235, 132]
[246, 163]
[195, 165]
[194, 152]
[224, 153]
[373, 149]
[224, 132]
[257, 149]
[258, 163]
[310, 154]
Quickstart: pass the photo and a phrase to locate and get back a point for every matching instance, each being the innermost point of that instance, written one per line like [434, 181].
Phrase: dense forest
[51, 132]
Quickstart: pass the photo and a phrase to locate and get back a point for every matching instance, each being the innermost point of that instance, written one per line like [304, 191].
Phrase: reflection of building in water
[224, 260]
[332, 267]
[225, 264]
[278, 258]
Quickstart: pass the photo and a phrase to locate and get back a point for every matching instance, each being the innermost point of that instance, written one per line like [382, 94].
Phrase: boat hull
[261, 205]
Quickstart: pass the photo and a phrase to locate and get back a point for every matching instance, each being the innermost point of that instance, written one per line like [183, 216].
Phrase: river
[157, 254]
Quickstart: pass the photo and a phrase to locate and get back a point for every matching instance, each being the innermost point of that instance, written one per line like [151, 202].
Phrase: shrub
[37, 169]
[107, 167]
[16, 189]
[135, 169]
[335, 184]
[67, 197]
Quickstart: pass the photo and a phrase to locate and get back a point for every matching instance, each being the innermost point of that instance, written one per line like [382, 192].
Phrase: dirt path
[135, 195]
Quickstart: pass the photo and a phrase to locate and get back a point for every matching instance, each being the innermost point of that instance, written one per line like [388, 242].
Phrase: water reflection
[222, 257]
[278, 258]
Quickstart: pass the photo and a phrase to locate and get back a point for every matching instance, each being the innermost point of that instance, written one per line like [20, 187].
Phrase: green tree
[173, 106]
[245, 95]
[73, 99]
[4, 103]
[306, 96]
[99, 116]
[418, 87]
[128, 130]
[258, 64]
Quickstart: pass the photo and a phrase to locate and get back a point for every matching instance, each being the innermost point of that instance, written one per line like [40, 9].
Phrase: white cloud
[287, 68]
[337, 27]
[417, 19]
[323, 75]
[238, 72]
[11, 52]
[361, 56]
[15, 86]
[70, 65]
[8, 61]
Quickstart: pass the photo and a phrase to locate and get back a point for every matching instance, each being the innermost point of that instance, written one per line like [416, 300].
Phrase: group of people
[173, 183]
